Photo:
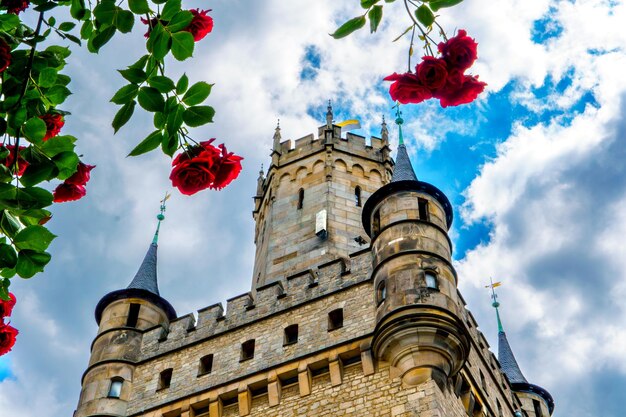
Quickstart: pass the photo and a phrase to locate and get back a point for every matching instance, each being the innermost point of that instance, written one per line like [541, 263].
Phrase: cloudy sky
[535, 169]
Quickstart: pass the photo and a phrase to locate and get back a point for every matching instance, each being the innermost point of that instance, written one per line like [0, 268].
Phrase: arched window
[357, 196]
[381, 292]
[115, 389]
[375, 224]
[431, 279]
[300, 198]
[206, 365]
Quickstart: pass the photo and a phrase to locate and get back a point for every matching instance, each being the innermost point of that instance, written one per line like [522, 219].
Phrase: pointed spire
[259, 182]
[329, 116]
[403, 170]
[146, 276]
[384, 132]
[277, 137]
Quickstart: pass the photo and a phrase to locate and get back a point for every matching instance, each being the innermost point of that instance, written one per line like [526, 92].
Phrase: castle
[354, 308]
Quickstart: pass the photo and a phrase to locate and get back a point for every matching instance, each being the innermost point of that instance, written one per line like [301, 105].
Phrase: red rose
[228, 169]
[68, 192]
[8, 161]
[151, 24]
[7, 338]
[432, 72]
[5, 55]
[201, 24]
[407, 88]
[6, 306]
[460, 89]
[82, 174]
[459, 51]
[14, 6]
[54, 123]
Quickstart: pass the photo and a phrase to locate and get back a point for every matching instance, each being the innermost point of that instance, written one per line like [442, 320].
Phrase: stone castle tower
[354, 308]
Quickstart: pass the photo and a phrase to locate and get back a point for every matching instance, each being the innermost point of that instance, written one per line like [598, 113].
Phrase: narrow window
[291, 335]
[422, 205]
[133, 315]
[300, 198]
[165, 379]
[247, 350]
[335, 319]
[116, 387]
[206, 365]
[357, 196]
[537, 407]
[375, 224]
[499, 408]
[431, 280]
[483, 383]
[381, 292]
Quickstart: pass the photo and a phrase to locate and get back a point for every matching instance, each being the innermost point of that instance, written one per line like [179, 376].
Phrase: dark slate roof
[144, 285]
[403, 171]
[508, 362]
[146, 276]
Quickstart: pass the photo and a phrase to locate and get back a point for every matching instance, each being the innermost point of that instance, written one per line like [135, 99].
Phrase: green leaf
[366, 4]
[124, 21]
[197, 93]
[105, 12]
[35, 237]
[375, 15]
[61, 52]
[26, 198]
[60, 144]
[169, 144]
[440, 4]
[138, 6]
[73, 39]
[161, 42]
[198, 115]
[66, 162]
[125, 94]
[30, 262]
[86, 30]
[101, 38]
[424, 15]
[67, 26]
[4, 287]
[349, 27]
[180, 21]
[170, 9]
[77, 9]
[123, 115]
[141, 62]
[175, 119]
[44, 7]
[182, 45]
[158, 120]
[8, 257]
[17, 118]
[34, 129]
[181, 85]
[133, 75]
[47, 77]
[32, 217]
[10, 224]
[57, 94]
[44, 170]
[163, 84]
[150, 99]
[9, 21]
[150, 143]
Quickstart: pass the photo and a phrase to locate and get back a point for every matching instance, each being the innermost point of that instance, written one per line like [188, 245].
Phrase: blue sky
[534, 169]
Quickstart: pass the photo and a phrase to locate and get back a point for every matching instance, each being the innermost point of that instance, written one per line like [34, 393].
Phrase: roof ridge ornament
[329, 116]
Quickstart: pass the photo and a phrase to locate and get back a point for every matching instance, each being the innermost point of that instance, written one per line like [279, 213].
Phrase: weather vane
[160, 217]
[495, 304]
[399, 122]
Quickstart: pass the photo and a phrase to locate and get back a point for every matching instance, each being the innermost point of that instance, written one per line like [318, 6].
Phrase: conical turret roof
[403, 170]
[507, 360]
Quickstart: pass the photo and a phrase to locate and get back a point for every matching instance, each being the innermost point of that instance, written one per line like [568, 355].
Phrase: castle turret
[418, 330]
[122, 315]
[536, 401]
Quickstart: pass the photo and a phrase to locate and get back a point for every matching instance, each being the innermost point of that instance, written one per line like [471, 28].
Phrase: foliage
[34, 87]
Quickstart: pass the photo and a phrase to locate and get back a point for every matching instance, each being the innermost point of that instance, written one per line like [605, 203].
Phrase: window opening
[422, 205]
[300, 198]
[537, 407]
[116, 388]
[291, 335]
[165, 379]
[335, 319]
[206, 365]
[381, 291]
[431, 279]
[247, 350]
[133, 315]
[375, 224]
[357, 196]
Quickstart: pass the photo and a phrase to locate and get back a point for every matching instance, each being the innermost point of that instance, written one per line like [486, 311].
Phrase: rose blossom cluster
[73, 188]
[8, 333]
[54, 123]
[10, 159]
[441, 78]
[204, 166]
[200, 26]
[5, 55]
[14, 6]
